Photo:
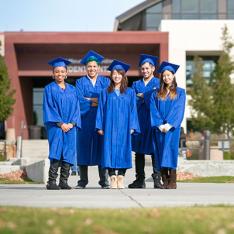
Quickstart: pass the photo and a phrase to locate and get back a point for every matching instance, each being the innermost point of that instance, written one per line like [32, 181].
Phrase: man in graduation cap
[61, 115]
[89, 142]
[142, 144]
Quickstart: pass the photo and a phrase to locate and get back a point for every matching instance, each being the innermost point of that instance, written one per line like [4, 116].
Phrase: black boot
[139, 182]
[83, 177]
[53, 174]
[103, 175]
[64, 174]
[157, 180]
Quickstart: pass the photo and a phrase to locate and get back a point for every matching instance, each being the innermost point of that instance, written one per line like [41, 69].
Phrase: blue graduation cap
[59, 62]
[92, 56]
[118, 65]
[168, 66]
[153, 60]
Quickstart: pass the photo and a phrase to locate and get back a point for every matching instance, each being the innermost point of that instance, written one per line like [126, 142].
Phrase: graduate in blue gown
[61, 114]
[167, 111]
[142, 144]
[89, 142]
[116, 121]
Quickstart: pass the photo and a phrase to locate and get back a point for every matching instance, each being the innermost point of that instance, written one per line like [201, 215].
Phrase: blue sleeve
[155, 118]
[50, 113]
[85, 104]
[134, 124]
[100, 111]
[76, 115]
[176, 114]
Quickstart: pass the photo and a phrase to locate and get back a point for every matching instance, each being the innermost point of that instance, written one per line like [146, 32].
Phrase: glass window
[37, 105]
[208, 67]
[208, 6]
[189, 6]
[194, 9]
[153, 20]
[230, 9]
[157, 8]
[176, 6]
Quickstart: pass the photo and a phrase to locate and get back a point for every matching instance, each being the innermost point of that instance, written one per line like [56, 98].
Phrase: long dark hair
[124, 82]
[162, 94]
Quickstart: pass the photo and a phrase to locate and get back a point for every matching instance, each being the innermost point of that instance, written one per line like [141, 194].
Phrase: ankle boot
[83, 170]
[120, 181]
[114, 183]
[138, 183]
[64, 174]
[165, 177]
[172, 181]
[157, 180]
[53, 174]
[103, 175]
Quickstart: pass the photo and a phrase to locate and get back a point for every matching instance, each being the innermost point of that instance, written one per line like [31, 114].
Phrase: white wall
[191, 36]
[1, 44]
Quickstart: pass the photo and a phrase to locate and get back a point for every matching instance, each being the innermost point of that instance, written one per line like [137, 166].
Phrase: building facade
[194, 28]
[27, 54]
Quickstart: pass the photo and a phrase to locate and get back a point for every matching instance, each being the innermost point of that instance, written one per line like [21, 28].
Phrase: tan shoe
[120, 181]
[113, 182]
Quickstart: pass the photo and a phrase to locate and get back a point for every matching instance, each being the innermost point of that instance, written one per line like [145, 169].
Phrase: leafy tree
[6, 93]
[223, 89]
[201, 99]
[213, 102]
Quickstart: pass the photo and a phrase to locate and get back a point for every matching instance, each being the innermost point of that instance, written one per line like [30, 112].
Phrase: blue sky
[60, 15]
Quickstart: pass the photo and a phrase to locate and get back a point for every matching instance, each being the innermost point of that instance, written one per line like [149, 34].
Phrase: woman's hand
[140, 95]
[131, 131]
[65, 127]
[100, 132]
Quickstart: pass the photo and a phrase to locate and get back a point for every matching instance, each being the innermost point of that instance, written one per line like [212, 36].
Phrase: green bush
[2, 157]
[228, 156]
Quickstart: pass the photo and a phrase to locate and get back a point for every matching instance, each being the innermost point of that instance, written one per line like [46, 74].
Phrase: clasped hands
[165, 127]
[93, 100]
[66, 127]
[101, 132]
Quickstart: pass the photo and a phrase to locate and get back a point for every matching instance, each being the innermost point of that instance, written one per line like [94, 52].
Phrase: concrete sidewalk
[187, 194]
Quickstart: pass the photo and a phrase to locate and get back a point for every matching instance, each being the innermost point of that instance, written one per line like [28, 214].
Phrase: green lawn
[204, 220]
[12, 181]
[210, 179]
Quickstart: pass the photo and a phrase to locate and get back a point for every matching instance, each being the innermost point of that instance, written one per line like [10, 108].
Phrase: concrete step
[9, 168]
[35, 149]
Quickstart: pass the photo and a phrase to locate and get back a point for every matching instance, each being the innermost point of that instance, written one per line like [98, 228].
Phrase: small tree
[223, 89]
[201, 98]
[213, 102]
[6, 93]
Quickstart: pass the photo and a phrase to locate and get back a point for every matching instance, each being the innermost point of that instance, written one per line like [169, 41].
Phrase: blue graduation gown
[89, 142]
[167, 111]
[61, 106]
[116, 116]
[143, 143]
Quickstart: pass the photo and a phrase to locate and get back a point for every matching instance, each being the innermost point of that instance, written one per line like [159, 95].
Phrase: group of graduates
[100, 121]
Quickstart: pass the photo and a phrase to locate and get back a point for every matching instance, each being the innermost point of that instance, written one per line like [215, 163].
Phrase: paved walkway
[187, 194]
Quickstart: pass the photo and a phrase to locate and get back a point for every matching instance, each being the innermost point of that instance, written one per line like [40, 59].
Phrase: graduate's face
[92, 69]
[147, 70]
[168, 77]
[116, 77]
[60, 74]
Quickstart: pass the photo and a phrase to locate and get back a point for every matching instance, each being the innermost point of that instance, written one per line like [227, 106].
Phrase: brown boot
[165, 177]
[172, 181]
